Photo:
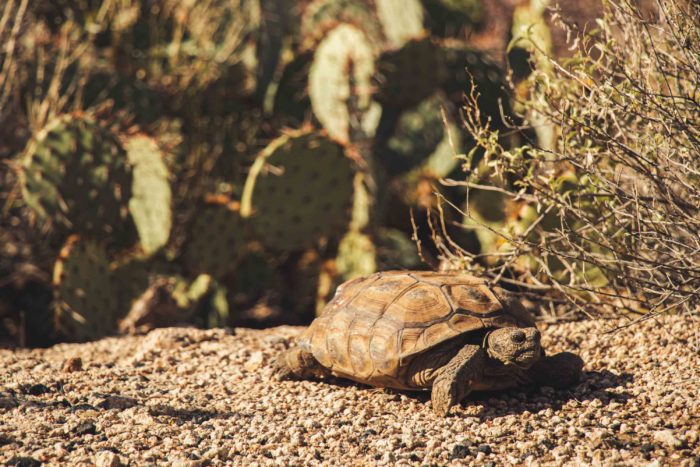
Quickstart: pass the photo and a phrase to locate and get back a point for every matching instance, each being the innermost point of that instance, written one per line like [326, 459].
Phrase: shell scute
[383, 347]
[476, 299]
[464, 323]
[436, 333]
[419, 304]
[410, 340]
[376, 296]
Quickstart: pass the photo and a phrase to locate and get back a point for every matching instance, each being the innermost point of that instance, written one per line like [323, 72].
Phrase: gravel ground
[192, 397]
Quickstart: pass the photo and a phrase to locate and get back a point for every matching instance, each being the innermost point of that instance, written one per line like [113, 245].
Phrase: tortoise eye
[518, 337]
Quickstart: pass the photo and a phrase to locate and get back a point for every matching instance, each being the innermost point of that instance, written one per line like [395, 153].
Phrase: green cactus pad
[416, 135]
[424, 141]
[410, 74]
[447, 17]
[357, 256]
[299, 189]
[467, 66]
[150, 204]
[395, 250]
[87, 306]
[401, 20]
[341, 74]
[217, 239]
[75, 174]
[131, 279]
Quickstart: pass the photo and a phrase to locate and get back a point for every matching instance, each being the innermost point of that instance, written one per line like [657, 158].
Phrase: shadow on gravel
[194, 415]
[594, 385]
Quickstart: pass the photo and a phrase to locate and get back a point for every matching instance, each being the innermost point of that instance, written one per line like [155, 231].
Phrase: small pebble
[23, 461]
[668, 438]
[107, 459]
[485, 448]
[72, 365]
[86, 428]
[36, 389]
[460, 451]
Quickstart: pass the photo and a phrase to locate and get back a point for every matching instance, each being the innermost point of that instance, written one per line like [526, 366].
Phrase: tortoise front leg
[297, 363]
[456, 379]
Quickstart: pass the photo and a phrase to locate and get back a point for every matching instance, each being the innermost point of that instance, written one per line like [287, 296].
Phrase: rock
[647, 448]
[23, 461]
[35, 389]
[485, 448]
[8, 402]
[86, 428]
[117, 402]
[254, 362]
[72, 365]
[107, 459]
[460, 451]
[669, 439]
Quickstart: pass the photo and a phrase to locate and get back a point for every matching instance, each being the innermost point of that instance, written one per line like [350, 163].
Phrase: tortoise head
[514, 346]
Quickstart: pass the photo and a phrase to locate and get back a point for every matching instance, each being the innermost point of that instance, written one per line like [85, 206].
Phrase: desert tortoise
[416, 330]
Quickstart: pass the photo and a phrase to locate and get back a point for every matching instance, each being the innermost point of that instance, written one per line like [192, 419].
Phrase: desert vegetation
[230, 162]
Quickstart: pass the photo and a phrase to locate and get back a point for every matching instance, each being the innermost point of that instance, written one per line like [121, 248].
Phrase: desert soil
[193, 397]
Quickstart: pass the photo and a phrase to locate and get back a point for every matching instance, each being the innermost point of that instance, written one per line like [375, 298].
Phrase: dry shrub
[606, 214]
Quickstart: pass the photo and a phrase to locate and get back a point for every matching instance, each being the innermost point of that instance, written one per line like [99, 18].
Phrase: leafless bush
[608, 212]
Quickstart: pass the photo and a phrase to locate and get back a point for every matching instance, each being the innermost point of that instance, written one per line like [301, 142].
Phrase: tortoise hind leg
[297, 363]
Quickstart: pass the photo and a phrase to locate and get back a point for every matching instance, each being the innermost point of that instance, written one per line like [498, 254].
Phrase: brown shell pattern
[375, 324]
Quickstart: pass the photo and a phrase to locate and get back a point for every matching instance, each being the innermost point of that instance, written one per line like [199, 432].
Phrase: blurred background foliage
[229, 162]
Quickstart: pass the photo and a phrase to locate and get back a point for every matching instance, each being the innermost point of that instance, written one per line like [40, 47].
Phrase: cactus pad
[466, 67]
[75, 173]
[321, 15]
[87, 306]
[401, 19]
[217, 239]
[340, 77]
[410, 74]
[357, 256]
[151, 197]
[415, 136]
[299, 189]
[395, 250]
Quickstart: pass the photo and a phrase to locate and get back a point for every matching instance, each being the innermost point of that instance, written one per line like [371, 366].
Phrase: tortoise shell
[375, 325]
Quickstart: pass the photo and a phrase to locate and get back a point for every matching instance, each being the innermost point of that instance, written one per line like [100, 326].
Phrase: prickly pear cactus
[447, 17]
[299, 189]
[401, 20]
[131, 279]
[86, 303]
[341, 75]
[395, 250]
[321, 15]
[150, 204]
[75, 174]
[467, 66]
[415, 137]
[356, 256]
[217, 239]
[410, 74]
